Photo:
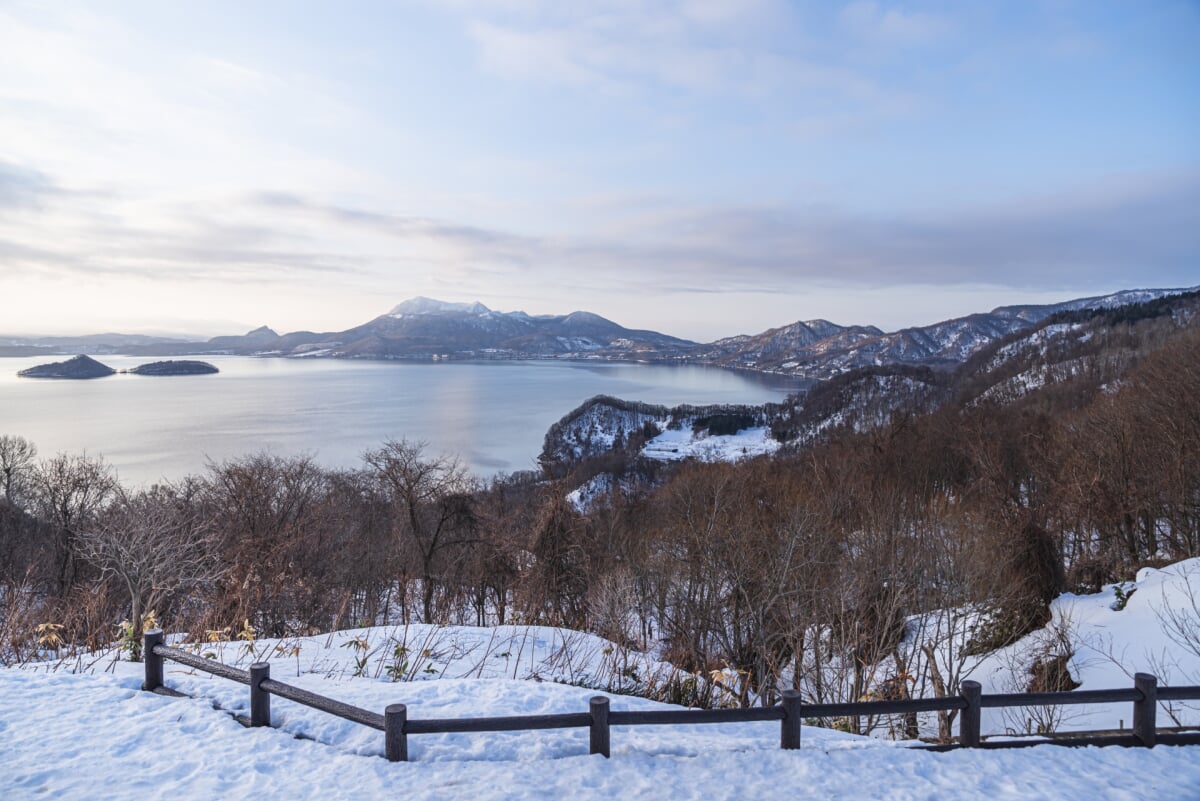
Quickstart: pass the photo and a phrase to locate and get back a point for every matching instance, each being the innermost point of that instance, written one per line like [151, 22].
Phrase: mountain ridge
[423, 328]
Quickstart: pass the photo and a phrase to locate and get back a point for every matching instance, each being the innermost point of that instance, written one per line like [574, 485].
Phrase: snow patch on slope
[684, 443]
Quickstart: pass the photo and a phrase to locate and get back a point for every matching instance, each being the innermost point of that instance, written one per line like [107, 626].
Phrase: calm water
[493, 415]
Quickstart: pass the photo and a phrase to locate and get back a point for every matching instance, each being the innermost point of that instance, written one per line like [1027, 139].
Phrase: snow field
[72, 736]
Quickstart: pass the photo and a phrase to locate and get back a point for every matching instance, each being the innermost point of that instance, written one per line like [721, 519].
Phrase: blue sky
[705, 168]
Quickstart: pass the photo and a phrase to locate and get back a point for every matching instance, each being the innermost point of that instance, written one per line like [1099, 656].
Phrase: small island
[176, 367]
[78, 367]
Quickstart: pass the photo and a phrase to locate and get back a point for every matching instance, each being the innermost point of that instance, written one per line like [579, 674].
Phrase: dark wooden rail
[599, 719]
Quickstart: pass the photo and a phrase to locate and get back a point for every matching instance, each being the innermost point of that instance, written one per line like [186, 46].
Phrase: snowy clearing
[672, 445]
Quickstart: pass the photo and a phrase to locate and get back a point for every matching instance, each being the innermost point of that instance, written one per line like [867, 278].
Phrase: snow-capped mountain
[423, 305]
[424, 328]
[820, 349]
[1072, 348]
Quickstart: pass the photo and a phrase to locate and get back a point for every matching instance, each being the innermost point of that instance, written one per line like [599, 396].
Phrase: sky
[703, 168]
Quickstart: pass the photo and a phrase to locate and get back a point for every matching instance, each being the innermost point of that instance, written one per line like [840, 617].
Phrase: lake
[492, 415]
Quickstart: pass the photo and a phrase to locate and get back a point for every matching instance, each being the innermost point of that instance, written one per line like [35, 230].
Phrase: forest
[811, 568]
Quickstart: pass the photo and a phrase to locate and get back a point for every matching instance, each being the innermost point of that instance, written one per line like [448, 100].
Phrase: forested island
[82, 367]
[79, 367]
[178, 367]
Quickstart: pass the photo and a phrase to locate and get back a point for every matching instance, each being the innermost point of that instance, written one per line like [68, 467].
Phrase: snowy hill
[603, 424]
[82, 729]
[822, 350]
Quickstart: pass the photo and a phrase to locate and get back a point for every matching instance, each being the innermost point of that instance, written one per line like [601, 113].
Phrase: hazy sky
[704, 168]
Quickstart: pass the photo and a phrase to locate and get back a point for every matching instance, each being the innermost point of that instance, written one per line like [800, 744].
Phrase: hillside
[1075, 350]
[822, 350]
[191, 747]
[913, 528]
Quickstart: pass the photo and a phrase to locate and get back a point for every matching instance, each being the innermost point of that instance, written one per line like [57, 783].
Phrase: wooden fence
[599, 719]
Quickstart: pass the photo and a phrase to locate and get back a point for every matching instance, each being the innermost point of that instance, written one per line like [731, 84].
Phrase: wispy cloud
[22, 186]
[1088, 238]
[892, 26]
[706, 48]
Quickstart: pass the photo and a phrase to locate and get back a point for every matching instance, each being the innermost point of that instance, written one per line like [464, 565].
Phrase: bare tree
[156, 545]
[71, 490]
[265, 508]
[16, 466]
[432, 507]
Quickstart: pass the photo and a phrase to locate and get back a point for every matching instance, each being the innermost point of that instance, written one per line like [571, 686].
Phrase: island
[176, 367]
[78, 367]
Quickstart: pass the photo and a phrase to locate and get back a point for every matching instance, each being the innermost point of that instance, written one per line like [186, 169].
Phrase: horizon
[704, 169]
[281, 331]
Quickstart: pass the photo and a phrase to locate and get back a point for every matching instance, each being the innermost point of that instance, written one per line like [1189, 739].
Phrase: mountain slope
[821, 350]
[1074, 352]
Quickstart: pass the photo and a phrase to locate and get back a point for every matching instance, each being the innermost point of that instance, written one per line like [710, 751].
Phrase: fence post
[599, 740]
[969, 722]
[260, 699]
[789, 727]
[1145, 711]
[395, 741]
[152, 661]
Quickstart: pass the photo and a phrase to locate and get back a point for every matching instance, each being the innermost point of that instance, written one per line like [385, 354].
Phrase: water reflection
[492, 414]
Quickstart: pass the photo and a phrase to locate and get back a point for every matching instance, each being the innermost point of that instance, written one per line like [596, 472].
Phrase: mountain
[427, 329]
[260, 337]
[93, 343]
[423, 328]
[1081, 351]
[820, 350]
[1078, 351]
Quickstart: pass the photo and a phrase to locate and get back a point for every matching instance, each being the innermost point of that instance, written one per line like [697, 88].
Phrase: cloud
[699, 47]
[22, 186]
[869, 20]
[104, 236]
[1125, 233]
[1142, 229]
[1126, 236]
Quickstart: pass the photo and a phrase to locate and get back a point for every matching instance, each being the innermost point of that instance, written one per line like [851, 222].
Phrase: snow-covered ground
[69, 736]
[684, 443]
[1109, 645]
[81, 728]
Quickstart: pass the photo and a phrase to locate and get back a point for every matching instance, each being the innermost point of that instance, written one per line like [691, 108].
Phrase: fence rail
[599, 719]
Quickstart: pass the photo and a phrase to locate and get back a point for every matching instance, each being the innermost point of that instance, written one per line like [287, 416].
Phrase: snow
[1108, 646]
[423, 305]
[683, 443]
[82, 729]
[587, 493]
[97, 736]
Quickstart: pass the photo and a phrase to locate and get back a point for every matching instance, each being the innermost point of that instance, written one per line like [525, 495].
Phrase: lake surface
[492, 415]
